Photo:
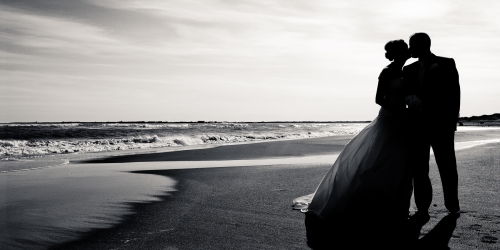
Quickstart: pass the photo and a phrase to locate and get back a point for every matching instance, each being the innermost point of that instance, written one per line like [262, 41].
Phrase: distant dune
[485, 120]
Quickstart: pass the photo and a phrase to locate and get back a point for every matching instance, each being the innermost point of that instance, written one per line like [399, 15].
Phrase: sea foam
[26, 140]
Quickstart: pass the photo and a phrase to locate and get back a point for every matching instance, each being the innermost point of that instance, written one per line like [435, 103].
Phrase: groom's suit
[435, 81]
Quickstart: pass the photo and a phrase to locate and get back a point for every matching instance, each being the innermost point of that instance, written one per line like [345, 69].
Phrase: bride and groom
[363, 200]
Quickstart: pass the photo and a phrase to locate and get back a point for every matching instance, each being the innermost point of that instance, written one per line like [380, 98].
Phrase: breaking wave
[28, 140]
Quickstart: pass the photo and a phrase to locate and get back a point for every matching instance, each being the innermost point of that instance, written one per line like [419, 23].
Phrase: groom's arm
[453, 106]
[446, 95]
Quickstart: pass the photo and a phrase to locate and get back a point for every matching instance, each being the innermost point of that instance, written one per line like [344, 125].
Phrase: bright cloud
[226, 60]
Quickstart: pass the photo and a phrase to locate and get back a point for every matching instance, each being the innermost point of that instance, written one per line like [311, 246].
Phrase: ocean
[49, 205]
[24, 140]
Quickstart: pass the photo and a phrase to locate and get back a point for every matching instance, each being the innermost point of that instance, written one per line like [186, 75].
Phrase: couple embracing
[363, 200]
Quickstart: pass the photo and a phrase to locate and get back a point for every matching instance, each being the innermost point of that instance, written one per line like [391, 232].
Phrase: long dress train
[367, 191]
[372, 161]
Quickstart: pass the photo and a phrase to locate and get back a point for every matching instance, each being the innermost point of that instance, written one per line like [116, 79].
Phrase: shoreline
[209, 212]
[26, 142]
[461, 129]
[54, 160]
[289, 158]
[105, 192]
[66, 158]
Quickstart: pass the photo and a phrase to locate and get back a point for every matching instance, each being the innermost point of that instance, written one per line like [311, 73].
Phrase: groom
[434, 80]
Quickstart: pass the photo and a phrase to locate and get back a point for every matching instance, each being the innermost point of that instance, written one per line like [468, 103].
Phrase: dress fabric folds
[368, 175]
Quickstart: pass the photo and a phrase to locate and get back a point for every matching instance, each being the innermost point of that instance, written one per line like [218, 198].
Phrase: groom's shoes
[420, 217]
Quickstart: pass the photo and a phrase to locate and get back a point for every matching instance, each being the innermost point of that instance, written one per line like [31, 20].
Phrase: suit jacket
[439, 91]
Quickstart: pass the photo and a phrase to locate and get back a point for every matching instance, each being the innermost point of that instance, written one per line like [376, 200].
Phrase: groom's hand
[414, 102]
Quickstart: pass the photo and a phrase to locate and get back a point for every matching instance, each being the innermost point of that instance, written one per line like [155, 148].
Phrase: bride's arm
[384, 82]
[381, 89]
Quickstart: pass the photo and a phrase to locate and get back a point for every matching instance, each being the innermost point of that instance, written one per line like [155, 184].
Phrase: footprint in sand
[489, 239]
[476, 227]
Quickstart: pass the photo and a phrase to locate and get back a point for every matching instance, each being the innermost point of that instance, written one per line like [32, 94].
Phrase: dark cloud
[126, 24]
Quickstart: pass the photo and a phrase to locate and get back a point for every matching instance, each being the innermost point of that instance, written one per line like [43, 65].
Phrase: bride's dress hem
[370, 170]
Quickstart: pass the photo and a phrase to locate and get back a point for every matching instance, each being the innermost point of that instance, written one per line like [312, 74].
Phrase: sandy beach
[208, 124]
[227, 197]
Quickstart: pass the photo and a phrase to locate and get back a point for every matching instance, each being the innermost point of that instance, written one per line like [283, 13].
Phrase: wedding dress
[369, 175]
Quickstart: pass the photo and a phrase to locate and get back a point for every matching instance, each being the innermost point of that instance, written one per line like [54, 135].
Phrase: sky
[228, 60]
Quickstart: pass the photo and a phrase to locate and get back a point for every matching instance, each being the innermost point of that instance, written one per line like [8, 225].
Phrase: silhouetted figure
[434, 81]
[362, 202]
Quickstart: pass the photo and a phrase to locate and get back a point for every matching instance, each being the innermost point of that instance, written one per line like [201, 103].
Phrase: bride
[363, 199]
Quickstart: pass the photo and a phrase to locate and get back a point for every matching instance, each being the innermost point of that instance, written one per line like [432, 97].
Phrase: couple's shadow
[377, 233]
[437, 238]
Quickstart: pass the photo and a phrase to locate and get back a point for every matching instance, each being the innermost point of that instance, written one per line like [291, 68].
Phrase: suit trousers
[443, 145]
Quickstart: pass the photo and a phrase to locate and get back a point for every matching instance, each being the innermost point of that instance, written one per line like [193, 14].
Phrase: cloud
[50, 33]
[170, 51]
[416, 11]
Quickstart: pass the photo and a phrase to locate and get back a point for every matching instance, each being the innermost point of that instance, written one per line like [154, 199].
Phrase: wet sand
[249, 207]
[272, 149]
[41, 207]
[479, 189]
[217, 208]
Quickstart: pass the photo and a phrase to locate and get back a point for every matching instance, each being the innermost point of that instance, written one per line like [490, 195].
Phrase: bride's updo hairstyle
[394, 47]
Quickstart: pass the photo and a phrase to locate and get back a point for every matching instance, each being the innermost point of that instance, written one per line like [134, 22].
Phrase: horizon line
[200, 121]
[208, 121]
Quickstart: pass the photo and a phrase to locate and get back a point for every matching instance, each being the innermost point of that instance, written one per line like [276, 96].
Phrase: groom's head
[420, 45]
